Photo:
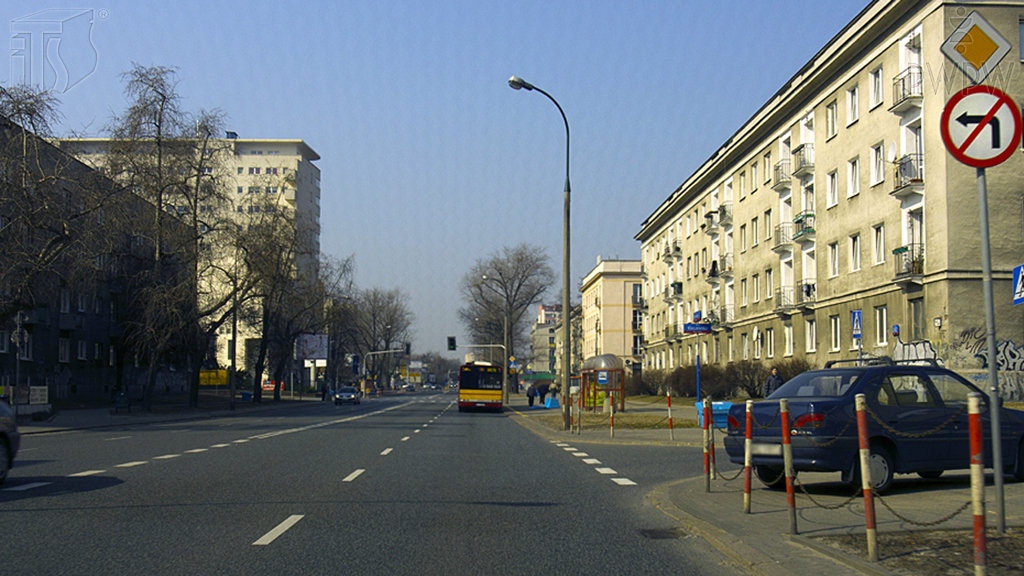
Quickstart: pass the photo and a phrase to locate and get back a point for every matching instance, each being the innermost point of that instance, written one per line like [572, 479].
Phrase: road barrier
[668, 397]
[865, 477]
[977, 482]
[787, 457]
[748, 443]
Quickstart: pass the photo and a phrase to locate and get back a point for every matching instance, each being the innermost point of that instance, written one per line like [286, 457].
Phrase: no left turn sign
[981, 126]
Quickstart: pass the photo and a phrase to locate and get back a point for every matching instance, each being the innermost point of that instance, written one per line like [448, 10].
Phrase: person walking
[531, 393]
[773, 383]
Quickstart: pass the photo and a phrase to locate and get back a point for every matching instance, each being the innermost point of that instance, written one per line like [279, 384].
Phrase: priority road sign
[981, 126]
[975, 47]
[1018, 285]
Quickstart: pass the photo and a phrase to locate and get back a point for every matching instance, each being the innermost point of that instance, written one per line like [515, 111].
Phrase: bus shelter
[603, 377]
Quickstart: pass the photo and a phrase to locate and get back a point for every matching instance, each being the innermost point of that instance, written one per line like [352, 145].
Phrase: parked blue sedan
[917, 423]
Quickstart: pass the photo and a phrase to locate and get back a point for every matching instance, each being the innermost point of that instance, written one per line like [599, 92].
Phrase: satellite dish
[892, 151]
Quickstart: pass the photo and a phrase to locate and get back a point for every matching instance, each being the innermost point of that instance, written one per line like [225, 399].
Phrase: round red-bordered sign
[974, 126]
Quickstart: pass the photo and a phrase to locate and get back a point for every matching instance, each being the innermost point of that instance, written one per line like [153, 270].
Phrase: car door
[911, 413]
[953, 394]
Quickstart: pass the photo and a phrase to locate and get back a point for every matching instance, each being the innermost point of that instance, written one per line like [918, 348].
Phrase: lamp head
[516, 83]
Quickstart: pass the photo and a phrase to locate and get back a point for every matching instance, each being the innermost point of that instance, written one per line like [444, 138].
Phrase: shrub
[748, 376]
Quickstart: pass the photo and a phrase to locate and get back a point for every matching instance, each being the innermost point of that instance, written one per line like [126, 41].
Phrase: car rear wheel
[773, 477]
[882, 469]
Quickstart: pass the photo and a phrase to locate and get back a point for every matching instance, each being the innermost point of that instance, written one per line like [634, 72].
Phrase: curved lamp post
[516, 83]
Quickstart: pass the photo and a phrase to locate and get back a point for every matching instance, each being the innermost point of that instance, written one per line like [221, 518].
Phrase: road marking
[196, 450]
[570, 449]
[605, 471]
[623, 481]
[166, 456]
[220, 445]
[29, 486]
[562, 445]
[406, 438]
[415, 431]
[132, 464]
[281, 529]
[386, 452]
[86, 473]
[581, 454]
[353, 475]
[118, 438]
[242, 441]
[591, 461]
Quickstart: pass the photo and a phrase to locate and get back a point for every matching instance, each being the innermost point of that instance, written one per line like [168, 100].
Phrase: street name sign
[981, 126]
[697, 328]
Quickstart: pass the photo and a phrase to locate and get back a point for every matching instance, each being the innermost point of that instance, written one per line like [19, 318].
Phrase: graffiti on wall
[1009, 358]
[1009, 361]
[919, 350]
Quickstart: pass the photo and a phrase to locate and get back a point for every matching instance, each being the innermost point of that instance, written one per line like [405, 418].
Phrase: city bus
[480, 386]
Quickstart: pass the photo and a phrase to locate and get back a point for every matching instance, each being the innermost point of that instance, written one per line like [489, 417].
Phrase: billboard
[311, 347]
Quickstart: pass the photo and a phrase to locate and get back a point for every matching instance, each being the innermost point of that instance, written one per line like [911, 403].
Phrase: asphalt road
[393, 486]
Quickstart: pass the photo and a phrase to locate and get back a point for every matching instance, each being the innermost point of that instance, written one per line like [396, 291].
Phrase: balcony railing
[909, 262]
[907, 89]
[783, 179]
[784, 301]
[806, 292]
[725, 264]
[803, 225]
[803, 160]
[909, 175]
[711, 223]
[783, 239]
[672, 331]
[725, 213]
[726, 315]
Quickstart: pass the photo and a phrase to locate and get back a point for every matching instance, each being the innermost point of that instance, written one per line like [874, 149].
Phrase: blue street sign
[1018, 285]
[696, 328]
[696, 316]
[856, 324]
[602, 376]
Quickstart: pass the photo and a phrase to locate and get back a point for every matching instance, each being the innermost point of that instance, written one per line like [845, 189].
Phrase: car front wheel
[773, 477]
[882, 470]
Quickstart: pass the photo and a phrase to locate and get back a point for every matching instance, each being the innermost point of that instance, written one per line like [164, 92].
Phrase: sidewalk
[760, 542]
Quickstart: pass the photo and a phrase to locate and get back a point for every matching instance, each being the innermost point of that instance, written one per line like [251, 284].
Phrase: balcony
[783, 178]
[909, 264]
[670, 251]
[803, 227]
[806, 293]
[639, 302]
[803, 160]
[783, 239]
[726, 316]
[673, 332]
[711, 224]
[909, 176]
[725, 213]
[784, 302]
[721, 267]
[676, 291]
[907, 90]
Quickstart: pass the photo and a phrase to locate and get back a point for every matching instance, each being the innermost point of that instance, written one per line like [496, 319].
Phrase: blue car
[917, 423]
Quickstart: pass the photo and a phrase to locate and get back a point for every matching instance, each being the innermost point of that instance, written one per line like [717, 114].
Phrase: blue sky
[429, 160]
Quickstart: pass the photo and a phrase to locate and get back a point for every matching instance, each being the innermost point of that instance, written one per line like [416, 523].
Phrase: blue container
[719, 414]
[246, 396]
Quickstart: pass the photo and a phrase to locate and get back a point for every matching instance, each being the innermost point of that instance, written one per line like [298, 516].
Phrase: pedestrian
[531, 393]
[773, 383]
[542, 390]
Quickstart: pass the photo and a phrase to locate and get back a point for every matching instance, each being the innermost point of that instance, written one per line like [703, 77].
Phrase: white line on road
[406, 439]
[353, 475]
[281, 529]
[591, 461]
[623, 481]
[605, 471]
[386, 452]
[132, 464]
[196, 450]
[570, 449]
[166, 456]
[118, 438]
[581, 454]
[561, 445]
[220, 445]
[415, 431]
[242, 441]
[28, 486]
[86, 473]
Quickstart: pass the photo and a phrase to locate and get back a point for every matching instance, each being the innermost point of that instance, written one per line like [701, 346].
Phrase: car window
[952, 391]
[886, 395]
[910, 390]
[827, 384]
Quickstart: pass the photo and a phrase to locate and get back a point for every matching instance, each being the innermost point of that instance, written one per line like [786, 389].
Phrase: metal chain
[962, 507]
[839, 436]
[768, 425]
[921, 434]
[723, 476]
[819, 504]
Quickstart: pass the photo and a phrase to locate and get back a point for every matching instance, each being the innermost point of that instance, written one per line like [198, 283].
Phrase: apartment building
[276, 172]
[612, 317]
[838, 200]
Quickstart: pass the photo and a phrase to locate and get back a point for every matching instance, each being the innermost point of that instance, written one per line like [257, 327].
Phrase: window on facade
[768, 168]
[757, 287]
[788, 334]
[769, 342]
[83, 349]
[881, 325]
[743, 185]
[25, 349]
[811, 335]
[833, 259]
[4, 339]
[917, 319]
[832, 188]
[753, 231]
[240, 169]
[746, 346]
[879, 248]
[743, 238]
[853, 177]
[877, 87]
[831, 119]
[753, 177]
[729, 344]
[63, 350]
[769, 287]
[65, 300]
[83, 303]
[835, 332]
[768, 231]
[855, 252]
[852, 105]
[877, 164]
[743, 291]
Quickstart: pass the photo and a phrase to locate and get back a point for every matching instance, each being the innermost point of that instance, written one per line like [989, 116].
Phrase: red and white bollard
[671, 433]
[977, 483]
[865, 477]
[748, 444]
[787, 457]
[707, 458]
[612, 427]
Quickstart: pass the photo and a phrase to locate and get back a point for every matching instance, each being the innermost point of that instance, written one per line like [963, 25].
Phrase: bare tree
[383, 322]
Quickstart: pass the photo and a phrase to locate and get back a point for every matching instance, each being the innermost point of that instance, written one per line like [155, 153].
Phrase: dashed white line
[220, 445]
[132, 464]
[605, 471]
[580, 454]
[242, 441]
[623, 481]
[561, 445]
[115, 439]
[415, 431]
[591, 461]
[166, 456]
[353, 475]
[86, 473]
[386, 452]
[28, 486]
[406, 438]
[280, 529]
[196, 450]
[570, 449]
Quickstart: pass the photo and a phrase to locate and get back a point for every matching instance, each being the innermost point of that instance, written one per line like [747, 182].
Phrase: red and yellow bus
[480, 386]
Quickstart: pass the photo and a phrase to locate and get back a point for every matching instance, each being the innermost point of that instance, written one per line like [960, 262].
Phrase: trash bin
[719, 414]
[246, 396]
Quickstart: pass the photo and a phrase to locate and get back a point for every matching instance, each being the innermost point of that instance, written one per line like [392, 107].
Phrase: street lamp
[516, 83]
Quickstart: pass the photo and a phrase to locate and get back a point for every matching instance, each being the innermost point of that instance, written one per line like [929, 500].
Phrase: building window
[25, 350]
[64, 350]
[835, 331]
[917, 319]
[831, 119]
[877, 164]
[743, 290]
[757, 287]
[743, 238]
[97, 351]
[769, 340]
[879, 249]
[768, 168]
[855, 252]
[853, 177]
[65, 300]
[753, 231]
[112, 356]
[769, 287]
[729, 343]
[753, 177]
[811, 333]
[743, 185]
[4, 339]
[83, 349]
[877, 87]
[881, 325]
[788, 334]
[240, 169]
[768, 225]
[746, 346]
[852, 105]
[833, 259]
[832, 188]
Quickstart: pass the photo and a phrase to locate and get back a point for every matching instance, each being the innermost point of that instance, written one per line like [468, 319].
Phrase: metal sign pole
[995, 406]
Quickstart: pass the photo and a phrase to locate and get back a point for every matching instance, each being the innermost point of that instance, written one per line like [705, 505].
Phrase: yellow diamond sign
[975, 47]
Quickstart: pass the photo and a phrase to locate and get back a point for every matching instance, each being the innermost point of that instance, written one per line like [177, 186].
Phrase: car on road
[346, 394]
[409, 387]
[10, 440]
[917, 422]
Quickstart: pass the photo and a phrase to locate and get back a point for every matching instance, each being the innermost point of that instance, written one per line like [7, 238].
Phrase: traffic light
[408, 348]
[355, 363]
[451, 343]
